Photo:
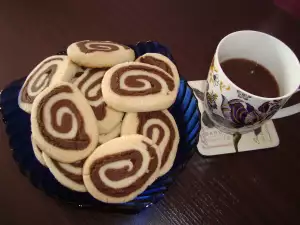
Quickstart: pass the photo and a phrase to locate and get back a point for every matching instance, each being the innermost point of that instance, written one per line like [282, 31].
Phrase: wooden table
[249, 188]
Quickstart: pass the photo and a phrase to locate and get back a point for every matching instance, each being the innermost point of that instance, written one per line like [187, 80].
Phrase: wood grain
[249, 188]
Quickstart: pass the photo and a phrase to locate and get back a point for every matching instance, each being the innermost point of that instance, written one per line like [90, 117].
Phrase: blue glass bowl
[186, 114]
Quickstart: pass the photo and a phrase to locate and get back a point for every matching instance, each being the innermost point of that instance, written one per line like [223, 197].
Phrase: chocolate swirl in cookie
[138, 87]
[162, 62]
[130, 162]
[89, 46]
[157, 62]
[53, 69]
[159, 126]
[140, 80]
[89, 83]
[121, 175]
[40, 78]
[61, 122]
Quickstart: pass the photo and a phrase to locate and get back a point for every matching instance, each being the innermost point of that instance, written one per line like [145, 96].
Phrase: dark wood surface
[249, 188]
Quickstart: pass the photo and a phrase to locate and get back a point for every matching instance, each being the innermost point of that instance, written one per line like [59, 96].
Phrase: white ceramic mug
[233, 109]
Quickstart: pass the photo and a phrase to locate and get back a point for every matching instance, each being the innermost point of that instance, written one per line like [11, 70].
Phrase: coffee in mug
[245, 73]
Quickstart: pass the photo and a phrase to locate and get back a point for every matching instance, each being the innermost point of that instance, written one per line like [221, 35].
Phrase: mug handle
[287, 111]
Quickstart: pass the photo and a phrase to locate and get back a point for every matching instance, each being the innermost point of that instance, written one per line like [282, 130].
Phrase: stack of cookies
[99, 118]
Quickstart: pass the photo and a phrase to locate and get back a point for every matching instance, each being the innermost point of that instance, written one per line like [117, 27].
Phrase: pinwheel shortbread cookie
[138, 87]
[99, 54]
[122, 168]
[63, 123]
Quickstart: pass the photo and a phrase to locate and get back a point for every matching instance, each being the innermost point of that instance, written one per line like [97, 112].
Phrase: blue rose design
[241, 113]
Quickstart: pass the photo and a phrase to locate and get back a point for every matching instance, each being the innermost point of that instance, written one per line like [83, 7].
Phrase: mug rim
[289, 94]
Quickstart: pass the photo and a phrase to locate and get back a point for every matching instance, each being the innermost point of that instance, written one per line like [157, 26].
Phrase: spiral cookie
[69, 175]
[89, 83]
[138, 87]
[162, 62]
[159, 126]
[111, 135]
[121, 169]
[50, 70]
[37, 152]
[99, 54]
[63, 123]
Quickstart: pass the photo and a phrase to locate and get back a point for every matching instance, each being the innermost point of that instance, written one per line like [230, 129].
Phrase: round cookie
[89, 83]
[121, 169]
[111, 135]
[37, 152]
[51, 70]
[69, 175]
[159, 126]
[63, 123]
[99, 54]
[138, 87]
[162, 62]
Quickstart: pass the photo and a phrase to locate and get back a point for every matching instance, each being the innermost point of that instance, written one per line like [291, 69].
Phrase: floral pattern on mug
[211, 100]
[224, 87]
[214, 79]
[239, 113]
[213, 76]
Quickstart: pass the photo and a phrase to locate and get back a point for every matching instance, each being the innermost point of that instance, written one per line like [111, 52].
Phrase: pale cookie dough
[138, 87]
[89, 83]
[111, 135]
[121, 169]
[99, 54]
[69, 175]
[162, 62]
[51, 70]
[37, 152]
[63, 124]
[159, 126]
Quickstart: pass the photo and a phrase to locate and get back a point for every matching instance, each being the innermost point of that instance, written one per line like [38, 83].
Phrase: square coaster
[214, 142]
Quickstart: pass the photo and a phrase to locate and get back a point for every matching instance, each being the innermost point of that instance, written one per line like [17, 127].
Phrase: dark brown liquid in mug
[251, 77]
